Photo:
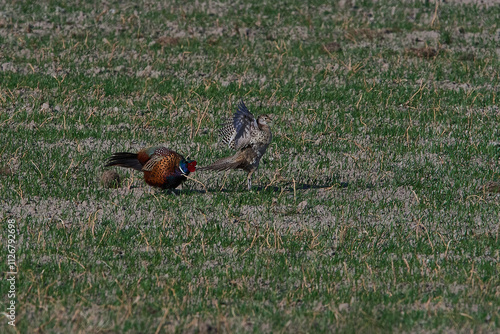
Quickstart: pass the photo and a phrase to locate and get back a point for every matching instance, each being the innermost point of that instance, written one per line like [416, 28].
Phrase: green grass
[368, 212]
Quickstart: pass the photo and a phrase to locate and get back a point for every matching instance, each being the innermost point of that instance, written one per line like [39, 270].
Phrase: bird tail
[222, 164]
[124, 159]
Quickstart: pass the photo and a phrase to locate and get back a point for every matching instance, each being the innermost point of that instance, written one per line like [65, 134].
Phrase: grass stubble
[373, 209]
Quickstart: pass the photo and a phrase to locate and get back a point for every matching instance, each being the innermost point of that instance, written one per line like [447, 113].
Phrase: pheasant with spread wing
[162, 167]
[248, 136]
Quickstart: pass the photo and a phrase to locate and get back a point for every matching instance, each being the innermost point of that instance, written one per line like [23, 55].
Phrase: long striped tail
[222, 164]
[124, 159]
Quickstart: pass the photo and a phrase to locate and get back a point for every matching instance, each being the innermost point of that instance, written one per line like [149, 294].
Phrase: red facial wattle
[192, 166]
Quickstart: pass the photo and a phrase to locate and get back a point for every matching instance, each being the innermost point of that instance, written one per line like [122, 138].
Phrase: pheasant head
[264, 119]
[187, 166]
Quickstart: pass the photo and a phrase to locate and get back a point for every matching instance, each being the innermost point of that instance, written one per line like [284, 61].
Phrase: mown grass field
[374, 209]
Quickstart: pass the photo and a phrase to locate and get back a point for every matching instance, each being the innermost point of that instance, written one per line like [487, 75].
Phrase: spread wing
[227, 134]
[237, 133]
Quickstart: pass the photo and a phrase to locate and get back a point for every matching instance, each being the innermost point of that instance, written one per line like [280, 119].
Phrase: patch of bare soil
[167, 41]
[490, 187]
[424, 52]
[6, 171]
[479, 3]
[332, 47]
[362, 34]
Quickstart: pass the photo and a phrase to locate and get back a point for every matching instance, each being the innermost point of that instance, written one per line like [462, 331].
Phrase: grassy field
[375, 209]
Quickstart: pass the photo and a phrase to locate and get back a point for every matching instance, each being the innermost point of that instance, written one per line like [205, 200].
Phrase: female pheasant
[162, 167]
[250, 137]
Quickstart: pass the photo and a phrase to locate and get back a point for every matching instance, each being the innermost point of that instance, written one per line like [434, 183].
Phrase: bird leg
[249, 180]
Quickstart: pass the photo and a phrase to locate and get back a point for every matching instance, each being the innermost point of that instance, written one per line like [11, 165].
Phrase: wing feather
[236, 133]
[227, 134]
[150, 164]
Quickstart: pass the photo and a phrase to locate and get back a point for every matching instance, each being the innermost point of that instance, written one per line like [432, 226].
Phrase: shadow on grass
[279, 188]
[283, 187]
[332, 181]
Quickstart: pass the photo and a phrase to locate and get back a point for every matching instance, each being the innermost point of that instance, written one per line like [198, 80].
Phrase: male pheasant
[250, 137]
[162, 167]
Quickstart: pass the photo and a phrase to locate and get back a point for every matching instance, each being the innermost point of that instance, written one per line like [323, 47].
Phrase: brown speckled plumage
[162, 167]
[250, 137]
